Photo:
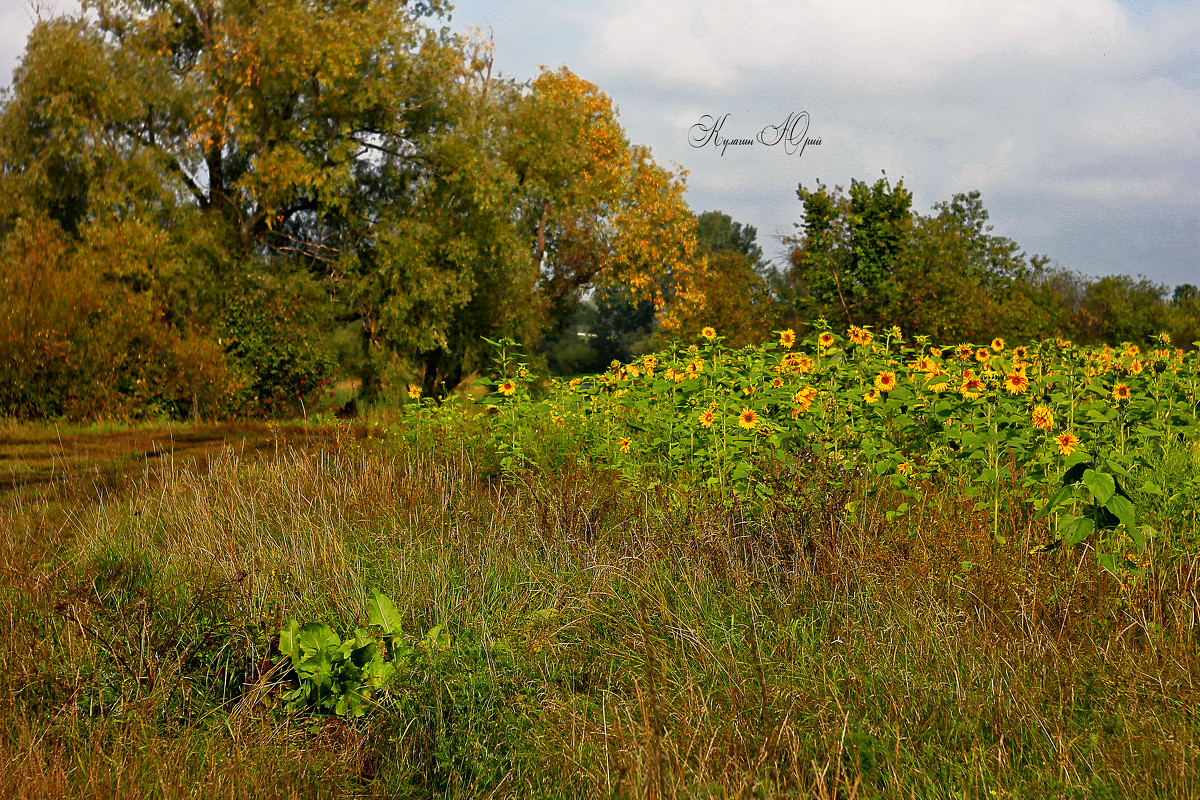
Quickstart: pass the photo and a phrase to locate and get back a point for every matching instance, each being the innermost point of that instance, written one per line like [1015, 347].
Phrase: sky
[1077, 120]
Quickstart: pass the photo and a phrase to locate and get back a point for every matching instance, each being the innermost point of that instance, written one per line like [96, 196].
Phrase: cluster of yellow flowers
[911, 401]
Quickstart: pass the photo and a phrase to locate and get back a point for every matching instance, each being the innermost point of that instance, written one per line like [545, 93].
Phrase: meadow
[846, 565]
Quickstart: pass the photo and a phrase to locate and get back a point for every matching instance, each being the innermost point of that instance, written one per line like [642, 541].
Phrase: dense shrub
[274, 331]
[75, 344]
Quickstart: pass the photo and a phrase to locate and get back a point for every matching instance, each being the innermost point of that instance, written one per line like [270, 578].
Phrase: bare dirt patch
[46, 461]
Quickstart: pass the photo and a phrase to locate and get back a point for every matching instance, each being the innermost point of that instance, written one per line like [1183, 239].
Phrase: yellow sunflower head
[1067, 442]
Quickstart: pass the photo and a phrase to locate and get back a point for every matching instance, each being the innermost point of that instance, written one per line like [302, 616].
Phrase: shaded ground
[45, 460]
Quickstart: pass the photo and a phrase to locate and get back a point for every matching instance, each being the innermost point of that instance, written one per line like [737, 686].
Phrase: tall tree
[601, 212]
[845, 255]
[720, 233]
[344, 139]
[570, 161]
[738, 300]
[230, 148]
[957, 280]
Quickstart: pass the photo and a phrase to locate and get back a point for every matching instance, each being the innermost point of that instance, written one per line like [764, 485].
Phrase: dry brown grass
[607, 642]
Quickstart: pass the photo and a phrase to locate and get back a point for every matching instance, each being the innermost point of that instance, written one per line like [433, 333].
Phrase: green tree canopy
[210, 150]
[845, 257]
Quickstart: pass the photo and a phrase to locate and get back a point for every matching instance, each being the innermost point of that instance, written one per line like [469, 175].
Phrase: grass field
[598, 640]
[566, 623]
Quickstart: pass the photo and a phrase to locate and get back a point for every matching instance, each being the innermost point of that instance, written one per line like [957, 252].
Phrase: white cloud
[1079, 120]
[1057, 111]
[707, 44]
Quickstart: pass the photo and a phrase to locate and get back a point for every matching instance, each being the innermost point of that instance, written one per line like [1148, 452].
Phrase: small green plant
[340, 676]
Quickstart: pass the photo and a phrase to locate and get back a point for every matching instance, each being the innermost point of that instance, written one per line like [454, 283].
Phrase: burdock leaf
[383, 612]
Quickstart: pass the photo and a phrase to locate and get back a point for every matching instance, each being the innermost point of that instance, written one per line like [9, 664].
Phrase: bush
[74, 344]
[271, 328]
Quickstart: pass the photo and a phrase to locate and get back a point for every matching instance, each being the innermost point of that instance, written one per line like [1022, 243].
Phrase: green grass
[605, 641]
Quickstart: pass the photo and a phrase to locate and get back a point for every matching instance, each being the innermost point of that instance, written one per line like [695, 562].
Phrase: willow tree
[345, 145]
[334, 139]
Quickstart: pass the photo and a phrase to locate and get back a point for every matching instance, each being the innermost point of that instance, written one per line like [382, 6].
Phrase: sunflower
[859, 336]
[624, 445]
[1067, 442]
[1015, 382]
[1120, 392]
[922, 364]
[964, 351]
[695, 366]
[936, 352]
[1136, 367]
[787, 338]
[998, 344]
[1043, 418]
[804, 397]
[872, 396]
[507, 388]
[825, 339]
[748, 419]
[982, 355]
[972, 387]
[885, 381]
[904, 468]
[804, 364]
[707, 418]
[777, 383]
[708, 333]
[937, 379]
[414, 391]
[1020, 353]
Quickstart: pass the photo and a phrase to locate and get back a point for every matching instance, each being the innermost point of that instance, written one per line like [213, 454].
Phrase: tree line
[212, 207]
[866, 257]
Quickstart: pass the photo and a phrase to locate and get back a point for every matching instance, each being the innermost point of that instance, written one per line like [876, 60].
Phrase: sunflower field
[1085, 435]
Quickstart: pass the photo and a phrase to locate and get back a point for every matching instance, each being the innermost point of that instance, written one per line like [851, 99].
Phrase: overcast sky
[1078, 120]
